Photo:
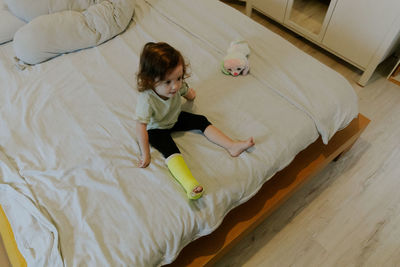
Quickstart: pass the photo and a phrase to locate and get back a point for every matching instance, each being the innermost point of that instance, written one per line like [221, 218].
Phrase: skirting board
[206, 250]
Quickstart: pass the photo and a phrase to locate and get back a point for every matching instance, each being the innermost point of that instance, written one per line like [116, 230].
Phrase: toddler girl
[161, 84]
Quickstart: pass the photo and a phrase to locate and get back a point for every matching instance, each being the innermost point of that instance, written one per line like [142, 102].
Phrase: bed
[70, 191]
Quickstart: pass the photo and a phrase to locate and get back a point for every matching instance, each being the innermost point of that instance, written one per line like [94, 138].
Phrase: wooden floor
[309, 14]
[349, 215]
[3, 256]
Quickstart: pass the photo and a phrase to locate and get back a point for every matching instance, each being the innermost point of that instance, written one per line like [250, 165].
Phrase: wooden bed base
[206, 250]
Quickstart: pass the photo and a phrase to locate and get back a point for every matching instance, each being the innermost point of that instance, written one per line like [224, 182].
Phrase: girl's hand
[190, 95]
[144, 161]
[143, 138]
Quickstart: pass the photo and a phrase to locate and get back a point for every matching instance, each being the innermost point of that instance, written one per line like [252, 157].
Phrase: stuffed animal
[236, 61]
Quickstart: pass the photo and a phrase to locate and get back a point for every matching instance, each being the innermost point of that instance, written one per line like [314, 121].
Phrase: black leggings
[161, 138]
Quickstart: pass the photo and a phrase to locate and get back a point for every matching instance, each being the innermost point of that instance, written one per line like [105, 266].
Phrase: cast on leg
[177, 166]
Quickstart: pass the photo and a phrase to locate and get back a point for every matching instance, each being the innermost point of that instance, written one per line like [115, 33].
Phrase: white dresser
[362, 32]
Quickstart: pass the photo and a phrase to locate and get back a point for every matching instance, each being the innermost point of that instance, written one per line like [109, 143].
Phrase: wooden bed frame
[206, 250]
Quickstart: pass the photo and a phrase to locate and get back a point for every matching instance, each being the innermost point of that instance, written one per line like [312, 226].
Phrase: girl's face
[168, 87]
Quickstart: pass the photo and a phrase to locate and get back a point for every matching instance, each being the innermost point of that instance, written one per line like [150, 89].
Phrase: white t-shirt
[158, 113]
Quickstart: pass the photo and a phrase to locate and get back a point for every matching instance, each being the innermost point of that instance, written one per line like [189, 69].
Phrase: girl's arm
[144, 145]
[190, 95]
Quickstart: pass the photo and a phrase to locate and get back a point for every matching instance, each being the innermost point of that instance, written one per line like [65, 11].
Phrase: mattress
[69, 182]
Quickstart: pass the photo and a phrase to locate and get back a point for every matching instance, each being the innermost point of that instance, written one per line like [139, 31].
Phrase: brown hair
[157, 60]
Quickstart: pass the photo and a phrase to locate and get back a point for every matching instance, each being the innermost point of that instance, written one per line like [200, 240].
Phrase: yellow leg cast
[181, 172]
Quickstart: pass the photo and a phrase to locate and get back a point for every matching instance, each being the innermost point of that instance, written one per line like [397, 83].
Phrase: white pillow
[27, 10]
[50, 35]
[9, 24]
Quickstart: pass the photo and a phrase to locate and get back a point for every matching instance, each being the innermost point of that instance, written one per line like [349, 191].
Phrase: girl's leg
[163, 142]
[177, 166]
[234, 147]
[189, 121]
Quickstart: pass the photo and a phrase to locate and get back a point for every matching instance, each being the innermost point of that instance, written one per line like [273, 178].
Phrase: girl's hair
[157, 60]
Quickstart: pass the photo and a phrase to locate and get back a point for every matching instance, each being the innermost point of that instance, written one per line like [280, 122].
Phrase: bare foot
[239, 146]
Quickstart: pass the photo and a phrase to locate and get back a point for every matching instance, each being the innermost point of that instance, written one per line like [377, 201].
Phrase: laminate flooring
[309, 14]
[349, 214]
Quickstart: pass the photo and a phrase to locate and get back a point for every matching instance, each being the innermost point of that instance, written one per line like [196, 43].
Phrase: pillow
[9, 24]
[26, 10]
[50, 35]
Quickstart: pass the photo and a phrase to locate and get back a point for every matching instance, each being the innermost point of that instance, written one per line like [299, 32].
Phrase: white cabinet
[271, 8]
[357, 28]
[309, 17]
[362, 32]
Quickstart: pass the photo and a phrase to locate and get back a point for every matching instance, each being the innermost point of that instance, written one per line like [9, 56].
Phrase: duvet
[69, 181]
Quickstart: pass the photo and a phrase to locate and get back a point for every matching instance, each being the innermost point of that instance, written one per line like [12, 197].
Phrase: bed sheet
[68, 150]
[306, 83]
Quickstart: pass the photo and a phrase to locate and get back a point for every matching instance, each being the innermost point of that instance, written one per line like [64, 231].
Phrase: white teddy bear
[236, 61]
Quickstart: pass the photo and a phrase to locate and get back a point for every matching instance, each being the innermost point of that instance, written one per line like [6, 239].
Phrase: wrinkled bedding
[68, 151]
